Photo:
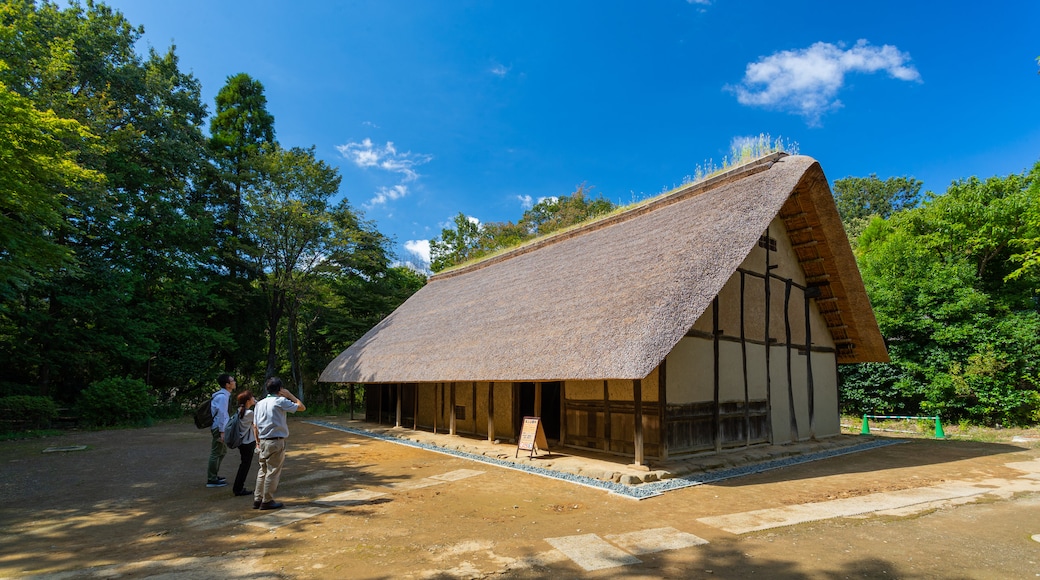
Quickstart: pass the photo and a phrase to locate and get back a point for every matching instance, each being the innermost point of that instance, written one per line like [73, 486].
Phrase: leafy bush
[28, 411]
[116, 401]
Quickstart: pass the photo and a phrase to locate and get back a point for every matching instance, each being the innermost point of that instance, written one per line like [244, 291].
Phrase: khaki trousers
[272, 455]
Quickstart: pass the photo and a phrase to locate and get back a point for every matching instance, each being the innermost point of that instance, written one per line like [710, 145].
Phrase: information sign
[532, 437]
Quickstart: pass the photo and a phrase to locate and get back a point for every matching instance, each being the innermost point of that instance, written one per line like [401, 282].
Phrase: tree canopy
[138, 253]
[955, 297]
[470, 240]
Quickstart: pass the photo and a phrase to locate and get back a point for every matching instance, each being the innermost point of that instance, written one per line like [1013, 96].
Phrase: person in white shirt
[272, 428]
[218, 406]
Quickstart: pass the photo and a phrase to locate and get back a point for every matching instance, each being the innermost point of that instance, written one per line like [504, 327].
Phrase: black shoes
[244, 492]
[271, 505]
[256, 504]
[216, 483]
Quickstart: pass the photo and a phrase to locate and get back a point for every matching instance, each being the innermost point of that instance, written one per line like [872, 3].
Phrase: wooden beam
[397, 415]
[662, 415]
[563, 412]
[716, 370]
[637, 395]
[790, 378]
[491, 412]
[451, 412]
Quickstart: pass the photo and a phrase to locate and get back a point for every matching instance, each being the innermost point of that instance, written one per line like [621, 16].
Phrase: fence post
[939, 434]
[866, 427]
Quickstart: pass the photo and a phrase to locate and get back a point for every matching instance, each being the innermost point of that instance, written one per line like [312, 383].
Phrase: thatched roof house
[612, 301]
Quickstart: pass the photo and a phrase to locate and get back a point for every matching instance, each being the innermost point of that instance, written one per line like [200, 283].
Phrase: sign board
[532, 437]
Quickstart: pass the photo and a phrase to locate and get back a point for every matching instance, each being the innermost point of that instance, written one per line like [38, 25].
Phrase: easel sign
[532, 437]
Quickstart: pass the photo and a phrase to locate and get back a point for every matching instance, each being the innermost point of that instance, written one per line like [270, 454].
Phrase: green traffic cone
[939, 434]
[866, 427]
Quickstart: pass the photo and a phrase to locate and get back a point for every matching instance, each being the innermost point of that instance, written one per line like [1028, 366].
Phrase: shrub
[28, 411]
[116, 401]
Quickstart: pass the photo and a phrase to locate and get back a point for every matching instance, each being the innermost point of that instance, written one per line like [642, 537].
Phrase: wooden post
[637, 395]
[351, 401]
[716, 415]
[473, 405]
[397, 418]
[436, 405]
[662, 419]
[491, 412]
[743, 359]
[790, 380]
[563, 412]
[606, 414]
[415, 407]
[808, 370]
[769, 386]
[538, 399]
[451, 412]
[379, 403]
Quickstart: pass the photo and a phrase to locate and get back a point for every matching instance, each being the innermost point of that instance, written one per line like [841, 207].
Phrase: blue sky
[429, 109]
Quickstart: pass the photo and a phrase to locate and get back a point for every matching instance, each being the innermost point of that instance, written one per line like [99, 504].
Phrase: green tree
[241, 130]
[134, 235]
[291, 221]
[963, 336]
[861, 198]
[456, 244]
[37, 169]
[556, 213]
[469, 240]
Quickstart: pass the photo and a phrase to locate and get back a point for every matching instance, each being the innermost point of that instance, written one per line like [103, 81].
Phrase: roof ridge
[679, 194]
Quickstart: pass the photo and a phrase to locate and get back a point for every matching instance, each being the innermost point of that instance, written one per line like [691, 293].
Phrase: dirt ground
[133, 504]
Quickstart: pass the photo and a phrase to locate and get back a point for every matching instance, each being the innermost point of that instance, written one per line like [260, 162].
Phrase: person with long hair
[250, 443]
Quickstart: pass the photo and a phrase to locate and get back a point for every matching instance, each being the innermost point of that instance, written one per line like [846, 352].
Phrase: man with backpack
[219, 408]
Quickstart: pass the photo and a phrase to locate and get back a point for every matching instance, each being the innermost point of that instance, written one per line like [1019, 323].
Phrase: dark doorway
[550, 411]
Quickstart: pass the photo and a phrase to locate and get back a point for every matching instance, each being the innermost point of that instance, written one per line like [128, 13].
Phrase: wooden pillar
[769, 386]
[473, 406]
[808, 367]
[637, 395]
[451, 412]
[563, 412]
[415, 407]
[606, 414]
[397, 417]
[538, 399]
[716, 414]
[517, 419]
[790, 379]
[491, 412]
[662, 419]
[743, 362]
[351, 401]
[436, 405]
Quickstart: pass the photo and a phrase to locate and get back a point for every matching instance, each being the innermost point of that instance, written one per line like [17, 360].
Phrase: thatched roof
[613, 298]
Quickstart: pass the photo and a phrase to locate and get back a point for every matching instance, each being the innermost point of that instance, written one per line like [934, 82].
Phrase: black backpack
[204, 414]
[233, 432]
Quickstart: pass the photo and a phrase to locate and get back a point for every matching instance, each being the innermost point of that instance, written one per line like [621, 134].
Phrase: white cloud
[807, 81]
[385, 194]
[368, 155]
[525, 201]
[420, 249]
[499, 70]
